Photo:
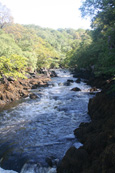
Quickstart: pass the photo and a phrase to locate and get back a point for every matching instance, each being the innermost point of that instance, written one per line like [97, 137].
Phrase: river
[35, 134]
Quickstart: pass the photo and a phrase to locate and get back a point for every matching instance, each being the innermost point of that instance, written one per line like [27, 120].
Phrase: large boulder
[76, 89]
[74, 161]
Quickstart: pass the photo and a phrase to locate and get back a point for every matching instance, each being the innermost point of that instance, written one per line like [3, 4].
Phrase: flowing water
[37, 133]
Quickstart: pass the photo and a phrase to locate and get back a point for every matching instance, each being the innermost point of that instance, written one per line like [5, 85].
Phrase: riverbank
[12, 90]
[97, 155]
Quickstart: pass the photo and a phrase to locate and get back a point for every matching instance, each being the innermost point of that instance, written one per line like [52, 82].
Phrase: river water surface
[37, 133]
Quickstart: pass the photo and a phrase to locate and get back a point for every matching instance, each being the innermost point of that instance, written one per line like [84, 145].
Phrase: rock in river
[76, 89]
[33, 96]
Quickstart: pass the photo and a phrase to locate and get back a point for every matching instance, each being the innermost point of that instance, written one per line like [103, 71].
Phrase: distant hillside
[42, 47]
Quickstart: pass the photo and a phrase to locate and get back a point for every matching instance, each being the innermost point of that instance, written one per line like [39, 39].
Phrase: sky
[47, 13]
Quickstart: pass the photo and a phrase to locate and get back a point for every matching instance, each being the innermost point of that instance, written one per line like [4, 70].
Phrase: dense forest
[28, 48]
[96, 51]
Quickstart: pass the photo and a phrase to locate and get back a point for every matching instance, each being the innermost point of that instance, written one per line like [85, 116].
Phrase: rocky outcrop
[74, 161]
[12, 90]
[97, 155]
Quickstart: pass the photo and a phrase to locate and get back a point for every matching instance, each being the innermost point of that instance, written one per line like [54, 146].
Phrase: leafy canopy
[13, 66]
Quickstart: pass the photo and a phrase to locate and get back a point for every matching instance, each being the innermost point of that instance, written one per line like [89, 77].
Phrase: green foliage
[31, 60]
[77, 56]
[43, 47]
[96, 49]
[8, 45]
[60, 41]
[14, 66]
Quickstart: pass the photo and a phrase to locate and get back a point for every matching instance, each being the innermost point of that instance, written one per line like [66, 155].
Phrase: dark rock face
[74, 161]
[97, 155]
[108, 158]
[76, 89]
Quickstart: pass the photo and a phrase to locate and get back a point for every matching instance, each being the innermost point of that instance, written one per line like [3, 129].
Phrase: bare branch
[5, 16]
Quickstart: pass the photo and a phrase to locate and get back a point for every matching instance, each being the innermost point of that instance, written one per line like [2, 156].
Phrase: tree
[8, 45]
[101, 11]
[5, 16]
[93, 7]
[13, 66]
[101, 52]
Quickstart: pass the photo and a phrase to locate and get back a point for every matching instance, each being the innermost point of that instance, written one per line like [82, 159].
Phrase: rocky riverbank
[12, 90]
[97, 155]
